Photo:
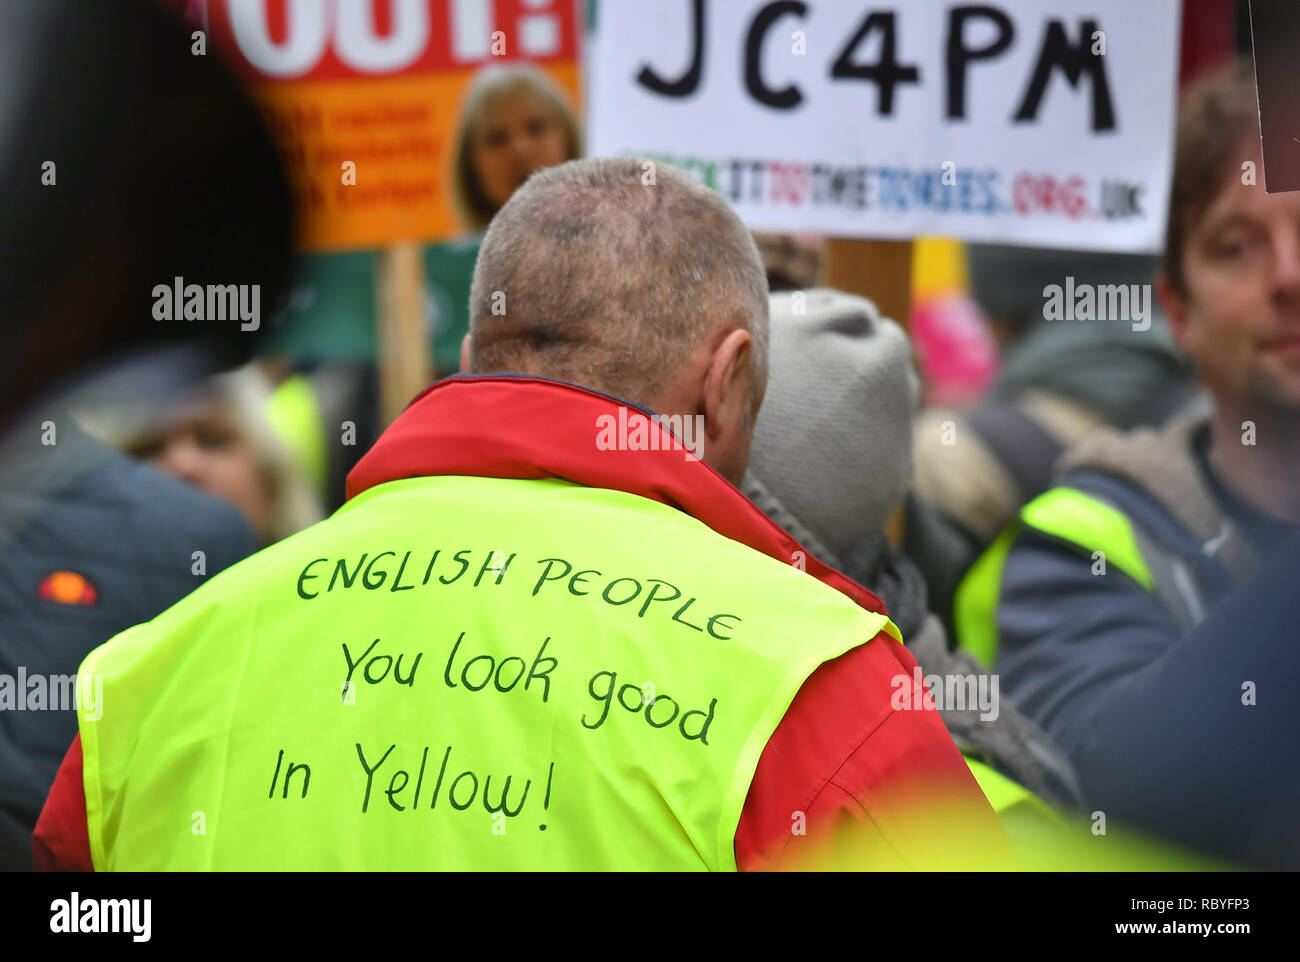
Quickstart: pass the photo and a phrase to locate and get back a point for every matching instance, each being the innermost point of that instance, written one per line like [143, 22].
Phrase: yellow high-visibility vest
[458, 673]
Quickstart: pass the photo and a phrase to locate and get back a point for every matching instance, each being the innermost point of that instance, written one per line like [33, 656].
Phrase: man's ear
[726, 383]
[464, 355]
[1175, 308]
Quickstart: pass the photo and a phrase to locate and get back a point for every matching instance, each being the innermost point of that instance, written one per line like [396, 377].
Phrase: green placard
[331, 312]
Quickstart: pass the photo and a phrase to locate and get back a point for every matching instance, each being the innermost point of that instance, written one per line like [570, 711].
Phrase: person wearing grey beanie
[831, 460]
[832, 450]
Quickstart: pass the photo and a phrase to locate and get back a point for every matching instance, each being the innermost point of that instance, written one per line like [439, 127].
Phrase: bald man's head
[614, 274]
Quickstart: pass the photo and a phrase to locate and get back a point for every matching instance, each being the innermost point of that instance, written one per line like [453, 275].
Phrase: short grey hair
[608, 272]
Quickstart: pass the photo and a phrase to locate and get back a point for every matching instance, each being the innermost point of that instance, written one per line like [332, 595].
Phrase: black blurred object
[1243, 41]
[163, 168]
[1275, 26]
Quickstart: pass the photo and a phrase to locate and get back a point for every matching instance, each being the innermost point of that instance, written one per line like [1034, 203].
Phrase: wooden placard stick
[402, 343]
[878, 270]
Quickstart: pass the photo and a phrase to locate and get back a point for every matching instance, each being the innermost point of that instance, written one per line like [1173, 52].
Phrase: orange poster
[367, 99]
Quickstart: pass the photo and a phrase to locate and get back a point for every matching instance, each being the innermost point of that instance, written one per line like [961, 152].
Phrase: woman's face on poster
[517, 134]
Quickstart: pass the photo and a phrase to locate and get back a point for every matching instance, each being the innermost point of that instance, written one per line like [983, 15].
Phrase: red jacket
[843, 767]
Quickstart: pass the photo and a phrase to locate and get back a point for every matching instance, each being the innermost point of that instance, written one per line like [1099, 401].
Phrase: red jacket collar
[498, 426]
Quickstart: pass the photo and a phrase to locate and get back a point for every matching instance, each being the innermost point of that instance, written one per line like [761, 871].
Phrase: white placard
[1014, 121]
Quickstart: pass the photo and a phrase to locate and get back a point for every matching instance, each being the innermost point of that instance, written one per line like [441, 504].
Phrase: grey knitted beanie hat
[833, 440]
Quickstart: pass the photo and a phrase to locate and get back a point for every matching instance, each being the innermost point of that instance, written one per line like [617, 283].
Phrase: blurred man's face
[204, 447]
[516, 135]
[1240, 318]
